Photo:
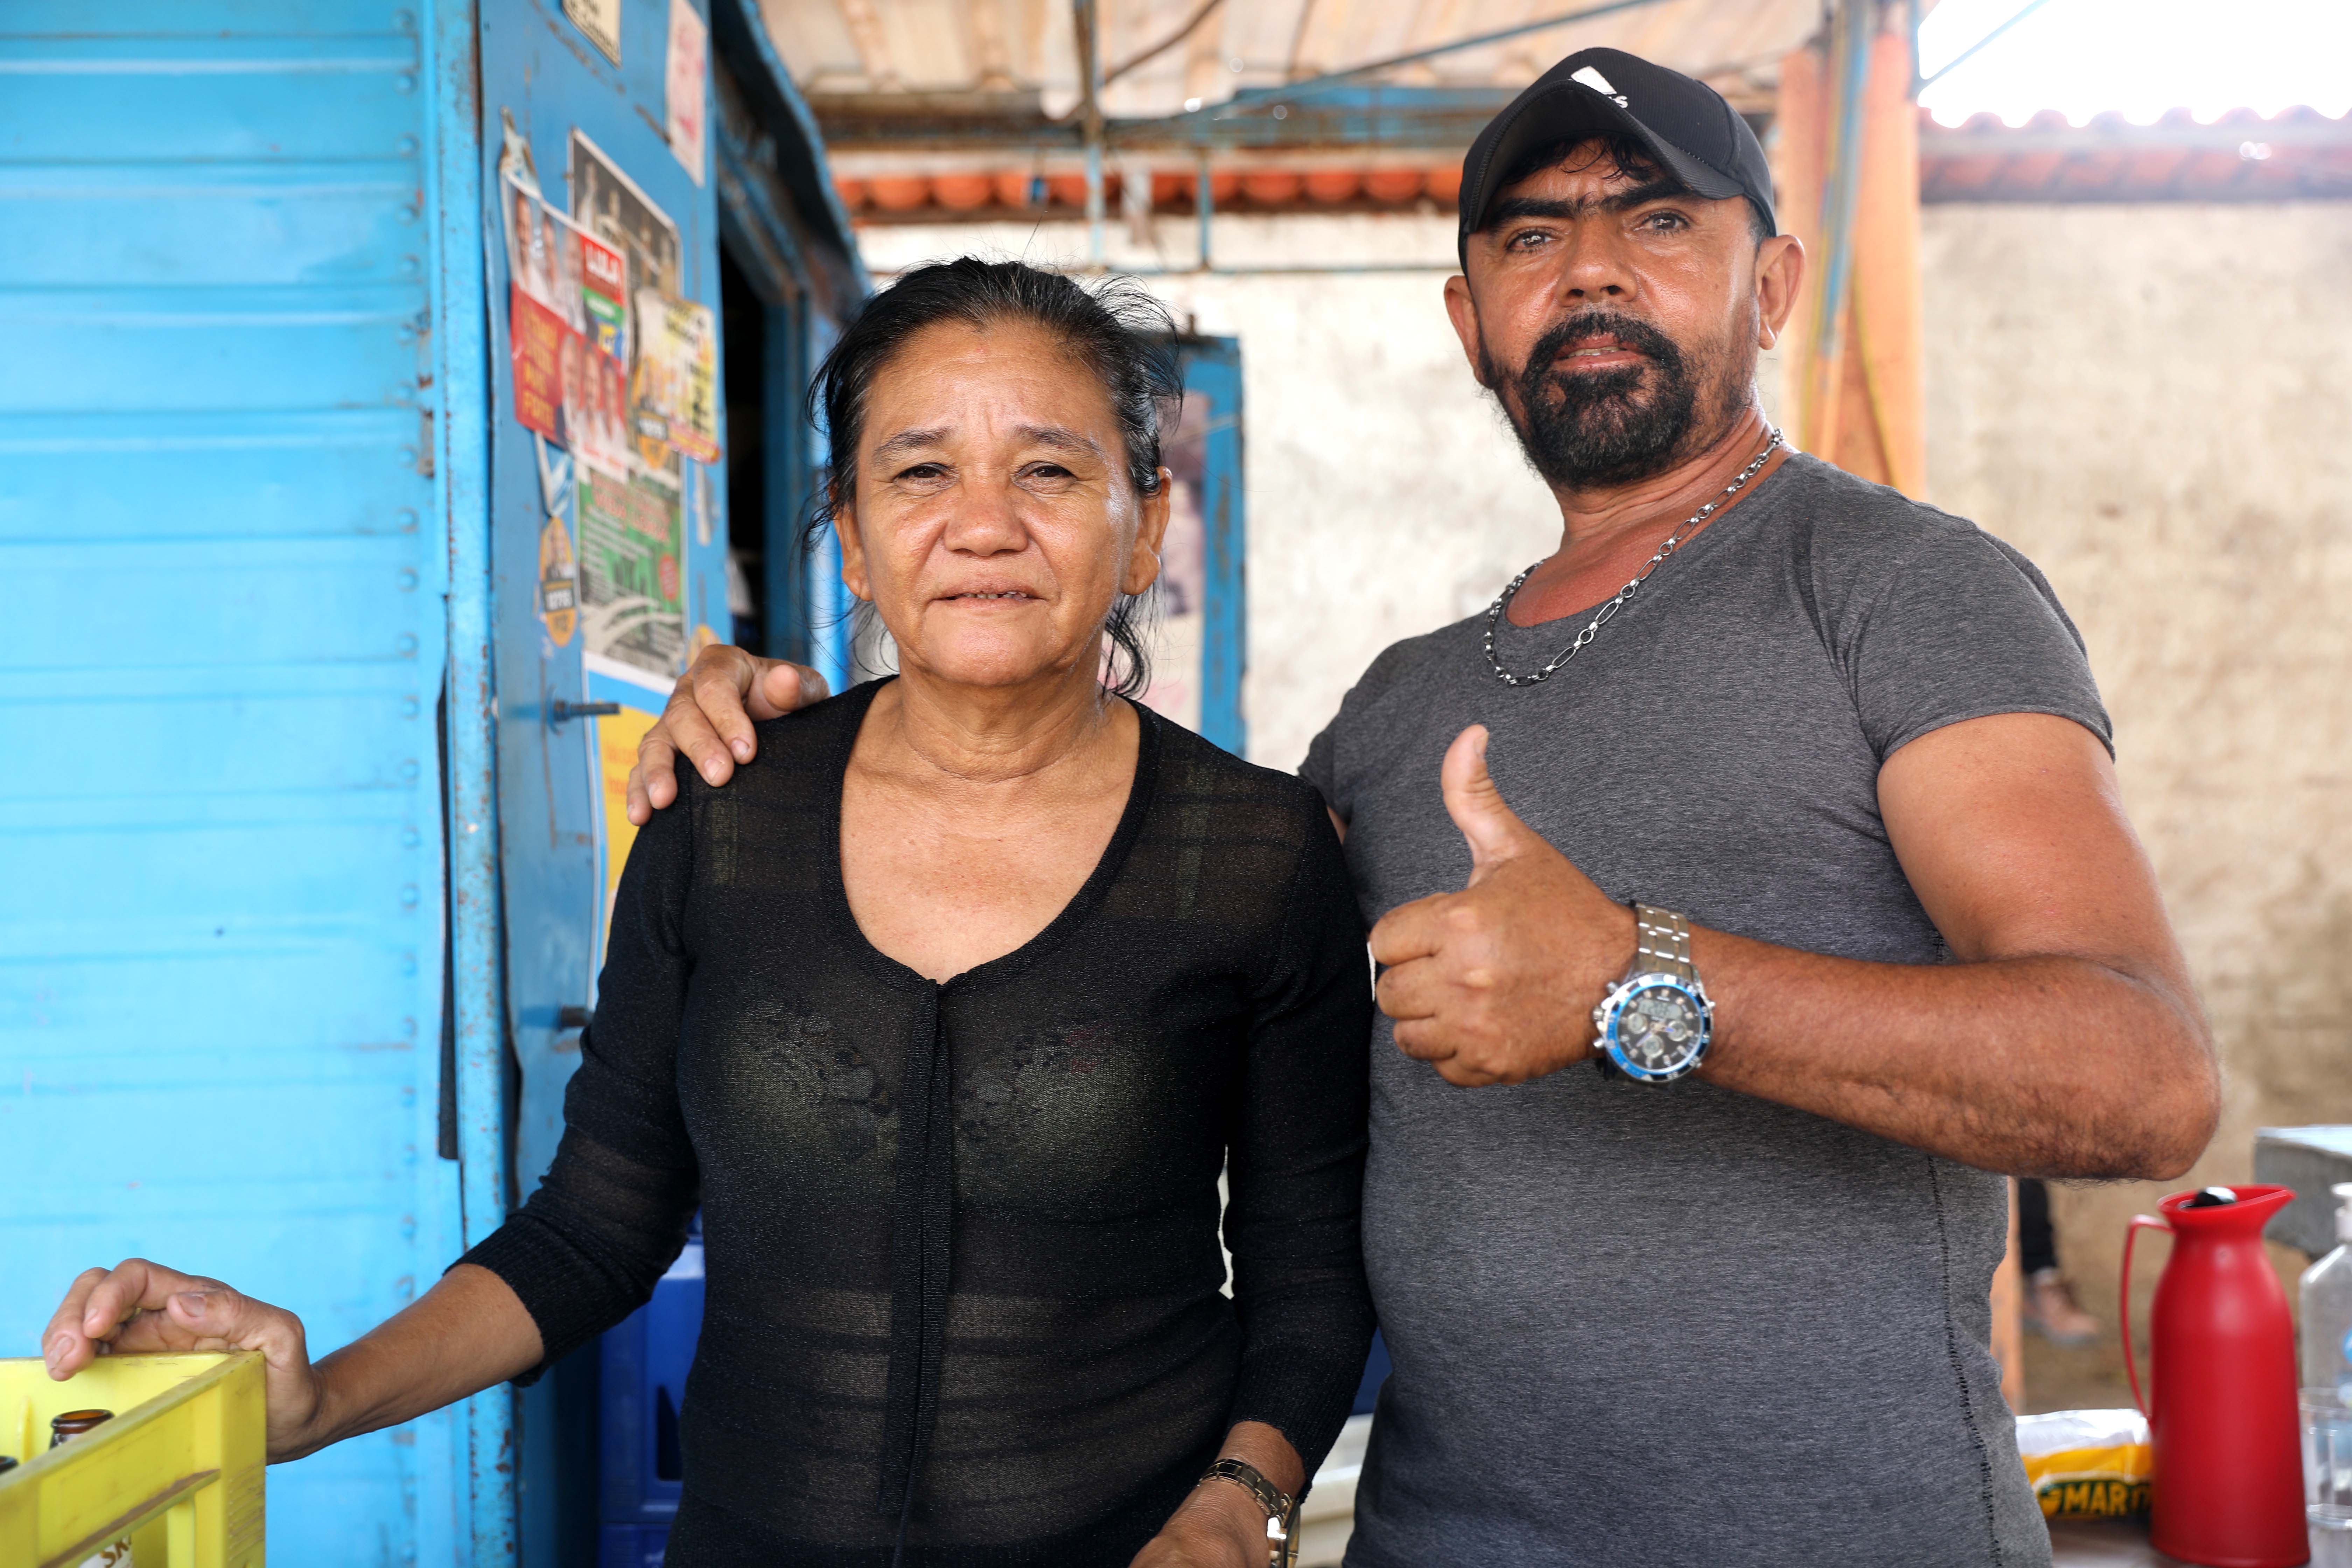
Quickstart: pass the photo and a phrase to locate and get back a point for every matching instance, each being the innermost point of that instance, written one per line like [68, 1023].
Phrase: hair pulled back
[1113, 327]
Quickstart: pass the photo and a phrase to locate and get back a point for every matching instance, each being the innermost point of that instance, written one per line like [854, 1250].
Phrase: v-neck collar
[1699, 547]
[1082, 903]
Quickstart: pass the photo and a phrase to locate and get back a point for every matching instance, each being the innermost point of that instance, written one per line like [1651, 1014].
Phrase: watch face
[1659, 1030]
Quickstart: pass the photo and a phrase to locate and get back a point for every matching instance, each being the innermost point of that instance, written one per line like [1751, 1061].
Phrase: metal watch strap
[1281, 1536]
[1661, 943]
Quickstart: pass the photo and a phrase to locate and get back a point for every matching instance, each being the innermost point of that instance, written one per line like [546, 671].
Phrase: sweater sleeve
[610, 1216]
[1295, 1163]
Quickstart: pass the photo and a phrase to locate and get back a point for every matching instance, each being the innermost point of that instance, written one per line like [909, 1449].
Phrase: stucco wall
[2150, 401]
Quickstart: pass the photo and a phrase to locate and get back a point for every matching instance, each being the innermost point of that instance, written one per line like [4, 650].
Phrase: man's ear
[1462, 311]
[1779, 274]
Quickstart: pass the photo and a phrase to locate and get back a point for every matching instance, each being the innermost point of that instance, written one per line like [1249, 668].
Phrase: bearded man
[1786, 802]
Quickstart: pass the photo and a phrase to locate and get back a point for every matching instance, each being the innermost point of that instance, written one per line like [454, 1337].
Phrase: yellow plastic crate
[177, 1471]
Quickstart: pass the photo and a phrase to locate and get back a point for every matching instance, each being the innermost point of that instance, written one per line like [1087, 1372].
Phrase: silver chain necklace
[1674, 540]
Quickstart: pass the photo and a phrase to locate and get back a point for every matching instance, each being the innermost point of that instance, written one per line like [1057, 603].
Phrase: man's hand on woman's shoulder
[709, 718]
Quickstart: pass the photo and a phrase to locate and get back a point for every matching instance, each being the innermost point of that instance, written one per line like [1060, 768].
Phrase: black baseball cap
[1684, 123]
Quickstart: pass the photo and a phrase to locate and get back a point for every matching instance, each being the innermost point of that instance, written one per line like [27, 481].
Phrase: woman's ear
[1150, 529]
[853, 575]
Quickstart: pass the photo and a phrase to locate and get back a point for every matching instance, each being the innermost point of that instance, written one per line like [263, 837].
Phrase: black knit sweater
[961, 1238]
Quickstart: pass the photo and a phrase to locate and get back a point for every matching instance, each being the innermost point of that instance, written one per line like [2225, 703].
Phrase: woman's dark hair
[1113, 327]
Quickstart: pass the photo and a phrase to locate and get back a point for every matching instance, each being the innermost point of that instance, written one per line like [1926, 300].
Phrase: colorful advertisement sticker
[688, 65]
[632, 598]
[617, 737]
[604, 298]
[677, 373]
[600, 21]
[1182, 631]
[596, 414]
[536, 337]
[559, 582]
[608, 207]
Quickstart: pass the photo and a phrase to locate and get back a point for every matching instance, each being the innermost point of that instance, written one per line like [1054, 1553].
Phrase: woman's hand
[138, 1306]
[1219, 1526]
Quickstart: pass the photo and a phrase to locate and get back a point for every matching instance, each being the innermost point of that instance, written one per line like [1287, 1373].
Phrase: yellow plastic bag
[2087, 1464]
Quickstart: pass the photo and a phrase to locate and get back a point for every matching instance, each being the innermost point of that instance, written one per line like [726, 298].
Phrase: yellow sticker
[617, 735]
[558, 582]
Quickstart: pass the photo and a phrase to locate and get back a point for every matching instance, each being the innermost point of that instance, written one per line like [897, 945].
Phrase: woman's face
[992, 522]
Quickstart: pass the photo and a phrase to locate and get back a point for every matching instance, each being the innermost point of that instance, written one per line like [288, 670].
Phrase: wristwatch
[1281, 1509]
[1654, 1025]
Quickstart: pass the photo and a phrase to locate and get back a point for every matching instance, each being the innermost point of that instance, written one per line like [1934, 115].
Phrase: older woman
[947, 1013]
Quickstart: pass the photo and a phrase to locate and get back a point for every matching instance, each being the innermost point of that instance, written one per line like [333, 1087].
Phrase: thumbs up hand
[1496, 984]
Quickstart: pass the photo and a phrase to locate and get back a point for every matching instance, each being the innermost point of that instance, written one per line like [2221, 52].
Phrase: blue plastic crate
[631, 1545]
[643, 1389]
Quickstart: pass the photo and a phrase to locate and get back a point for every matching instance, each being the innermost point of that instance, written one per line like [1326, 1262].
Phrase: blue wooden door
[225, 486]
[608, 538]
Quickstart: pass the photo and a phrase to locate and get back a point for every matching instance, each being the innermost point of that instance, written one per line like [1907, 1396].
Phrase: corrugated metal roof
[2298, 154]
[1023, 49]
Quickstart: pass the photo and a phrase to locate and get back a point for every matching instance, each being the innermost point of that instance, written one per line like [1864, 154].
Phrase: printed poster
[604, 298]
[536, 339]
[567, 331]
[632, 581]
[610, 208]
[678, 367]
[1182, 635]
[688, 68]
[617, 737]
[600, 20]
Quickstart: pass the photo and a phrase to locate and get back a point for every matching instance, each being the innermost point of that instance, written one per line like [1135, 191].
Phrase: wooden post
[1869, 419]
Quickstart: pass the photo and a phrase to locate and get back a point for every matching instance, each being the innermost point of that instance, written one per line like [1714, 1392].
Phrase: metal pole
[1257, 95]
[1090, 98]
[1971, 52]
[1850, 65]
[1205, 203]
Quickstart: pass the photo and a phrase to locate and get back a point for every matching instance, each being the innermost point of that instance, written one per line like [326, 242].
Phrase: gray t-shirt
[1642, 1327]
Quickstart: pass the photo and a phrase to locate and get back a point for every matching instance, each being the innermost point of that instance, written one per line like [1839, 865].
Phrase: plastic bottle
[2327, 1308]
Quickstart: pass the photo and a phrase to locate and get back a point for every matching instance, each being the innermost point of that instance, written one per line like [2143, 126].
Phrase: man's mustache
[1628, 331]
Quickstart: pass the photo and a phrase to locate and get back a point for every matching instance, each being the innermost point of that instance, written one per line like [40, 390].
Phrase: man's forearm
[2035, 1066]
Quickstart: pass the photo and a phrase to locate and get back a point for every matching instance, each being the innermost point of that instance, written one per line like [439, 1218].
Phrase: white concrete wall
[2153, 402]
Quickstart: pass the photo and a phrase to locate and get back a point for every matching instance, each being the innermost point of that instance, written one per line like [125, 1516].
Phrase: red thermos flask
[2228, 1487]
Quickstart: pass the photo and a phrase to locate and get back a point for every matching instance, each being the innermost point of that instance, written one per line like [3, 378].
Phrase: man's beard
[1583, 429]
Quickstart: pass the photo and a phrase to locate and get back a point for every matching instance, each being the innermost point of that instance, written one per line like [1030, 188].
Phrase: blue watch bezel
[1614, 1008]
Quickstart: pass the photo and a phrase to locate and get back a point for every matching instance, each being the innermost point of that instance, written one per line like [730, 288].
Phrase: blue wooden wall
[222, 503]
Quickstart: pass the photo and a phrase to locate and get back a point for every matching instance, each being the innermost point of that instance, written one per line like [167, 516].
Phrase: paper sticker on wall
[1184, 587]
[608, 206]
[631, 602]
[537, 341]
[559, 582]
[689, 65]
[617, 735]
[596, 413]
[604, 297]
[600, 21]
[678, 374]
